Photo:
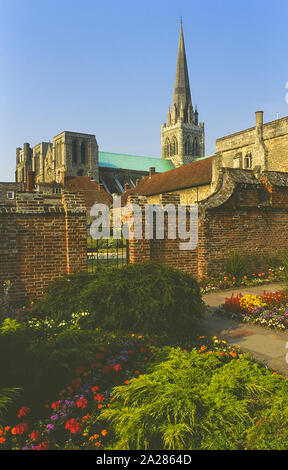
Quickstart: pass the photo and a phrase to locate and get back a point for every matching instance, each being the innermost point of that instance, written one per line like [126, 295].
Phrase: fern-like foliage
[193, 401]
[7, 398]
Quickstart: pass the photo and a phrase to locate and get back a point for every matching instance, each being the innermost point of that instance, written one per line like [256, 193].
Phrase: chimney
[259, 118]
[259, 125]
[30, 184]
[152, 170]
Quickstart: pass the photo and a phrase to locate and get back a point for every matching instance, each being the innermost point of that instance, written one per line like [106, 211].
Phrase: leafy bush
[148, 298]
[7, 398]
[284, 259]
[40, 361]
[235, 264]
[200, 401]
[62, 296]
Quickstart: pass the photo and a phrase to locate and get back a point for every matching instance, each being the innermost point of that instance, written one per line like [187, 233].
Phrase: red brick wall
[39, 243]
[254, 220]
[242, 224]
[163, 251]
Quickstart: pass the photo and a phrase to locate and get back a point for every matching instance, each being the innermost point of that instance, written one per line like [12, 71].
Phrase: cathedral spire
[182, 93]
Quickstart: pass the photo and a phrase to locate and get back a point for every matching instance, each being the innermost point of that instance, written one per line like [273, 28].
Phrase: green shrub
[148, 298]
[235, 264]
[200, 401]
[39, 361]
[62, 296]
[7, 398]
[284, 260]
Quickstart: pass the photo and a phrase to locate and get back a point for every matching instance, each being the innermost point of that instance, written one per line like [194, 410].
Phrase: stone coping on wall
[35, 203]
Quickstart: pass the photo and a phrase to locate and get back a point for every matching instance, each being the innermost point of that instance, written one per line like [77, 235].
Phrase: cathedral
[182, 138]
[73, 154]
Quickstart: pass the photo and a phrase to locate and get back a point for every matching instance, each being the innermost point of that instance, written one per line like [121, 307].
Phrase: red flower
[42, 446]
[99, 397]
[143, 349]
[20, 428]
[79, 370]
[23, 411]
[35, 435]
[55, 405]
[106, 369]
[73, 426]
[82, 403]
[99, 355]
[94, 389]
[95, 365]
[76, 382]
[117, 367]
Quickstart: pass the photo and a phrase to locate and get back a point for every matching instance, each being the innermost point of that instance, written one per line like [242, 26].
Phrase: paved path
[267, 345]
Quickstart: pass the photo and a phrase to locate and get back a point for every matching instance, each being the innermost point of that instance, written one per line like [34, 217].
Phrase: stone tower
[182, 138]
[23, 162]
[71, 153]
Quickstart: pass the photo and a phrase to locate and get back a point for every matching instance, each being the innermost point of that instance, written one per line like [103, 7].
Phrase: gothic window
[174, 149]
[167, 148]
[74, 152]
[37, 163]
[248, 161]
[58, 154]
[196, 147]
[83, 153]
[188, 146]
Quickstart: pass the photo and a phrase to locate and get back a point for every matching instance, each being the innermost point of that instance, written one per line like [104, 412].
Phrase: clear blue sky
[108, 68]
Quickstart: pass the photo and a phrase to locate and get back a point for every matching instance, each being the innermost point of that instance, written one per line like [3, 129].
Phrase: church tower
[182, 138]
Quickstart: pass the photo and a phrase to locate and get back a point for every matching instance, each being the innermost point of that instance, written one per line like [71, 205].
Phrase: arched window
[83, 153]
[196, 147]
[188, 146]
[167, 148]
[174, 146]
[248, 161]
[74, 152]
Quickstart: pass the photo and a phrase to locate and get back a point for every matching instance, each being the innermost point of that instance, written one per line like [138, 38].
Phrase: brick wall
[251, 218]
[164, 250]
[40, 242]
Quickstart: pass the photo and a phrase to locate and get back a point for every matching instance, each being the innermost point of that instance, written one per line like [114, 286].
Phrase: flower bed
[220, 281]
[78, 418]
[269, 309]
[71, 420]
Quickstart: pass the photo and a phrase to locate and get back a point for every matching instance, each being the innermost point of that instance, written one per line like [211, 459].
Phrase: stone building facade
[72, 153]
[182, 137]
[260, 148]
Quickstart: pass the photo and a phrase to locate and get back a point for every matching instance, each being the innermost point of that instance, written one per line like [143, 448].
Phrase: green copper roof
[133, 162]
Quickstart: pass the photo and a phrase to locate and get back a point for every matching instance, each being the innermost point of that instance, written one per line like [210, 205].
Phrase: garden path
[266, 345]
